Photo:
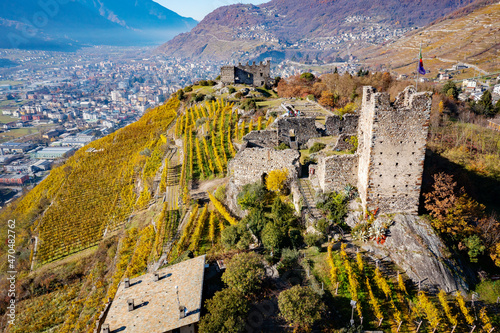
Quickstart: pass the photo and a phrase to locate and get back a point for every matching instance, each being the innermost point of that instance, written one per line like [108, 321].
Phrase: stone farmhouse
[386, 168]
[256, 75]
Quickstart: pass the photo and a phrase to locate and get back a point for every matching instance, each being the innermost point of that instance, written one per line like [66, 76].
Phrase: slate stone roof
[156, 308]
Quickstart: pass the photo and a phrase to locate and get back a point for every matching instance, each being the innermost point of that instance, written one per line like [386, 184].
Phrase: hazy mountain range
[67, 24]
[315, 29]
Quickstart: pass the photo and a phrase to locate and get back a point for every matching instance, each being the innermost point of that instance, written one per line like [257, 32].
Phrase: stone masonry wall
[227, 74]
[261, 139]
[392, 141]
[304, 128]
[249, 165]
[336, 171]
[251, 74]
[348, 124]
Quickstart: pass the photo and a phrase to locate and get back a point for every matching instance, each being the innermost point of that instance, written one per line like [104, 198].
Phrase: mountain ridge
[318, 29]
[67, 25]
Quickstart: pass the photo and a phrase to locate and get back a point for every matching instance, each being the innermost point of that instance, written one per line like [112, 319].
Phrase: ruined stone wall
[336, 171]
[343, 143]
[227, 74]
[392, 141]
[249, 165]
[261, 139]
[296, 131]
[347, 124]
[251, 74]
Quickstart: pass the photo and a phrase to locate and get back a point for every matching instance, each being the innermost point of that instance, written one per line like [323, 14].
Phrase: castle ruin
[256, 75]
[392, 139]
[387, 166]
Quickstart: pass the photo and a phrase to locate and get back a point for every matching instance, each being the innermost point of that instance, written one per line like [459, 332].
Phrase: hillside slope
[470, 36]
[308, 30]
[30, 25]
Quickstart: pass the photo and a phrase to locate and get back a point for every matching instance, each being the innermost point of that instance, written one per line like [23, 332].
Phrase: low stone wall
[347, 124]
[336, 171]
[303, 128]
[252, 164]
[261, 139]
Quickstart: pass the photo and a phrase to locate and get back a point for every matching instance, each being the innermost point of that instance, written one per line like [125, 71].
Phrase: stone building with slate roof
[168, 300]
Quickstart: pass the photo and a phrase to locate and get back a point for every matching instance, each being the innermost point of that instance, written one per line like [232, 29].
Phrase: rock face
[414, 246]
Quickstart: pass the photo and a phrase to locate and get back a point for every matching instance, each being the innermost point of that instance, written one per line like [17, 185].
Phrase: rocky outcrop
[413, 245]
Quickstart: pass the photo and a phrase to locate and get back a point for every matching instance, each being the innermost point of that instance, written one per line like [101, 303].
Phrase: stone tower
[392, 139]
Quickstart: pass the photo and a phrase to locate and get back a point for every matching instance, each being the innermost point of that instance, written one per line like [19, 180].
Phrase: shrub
[272, 237]
[312, 239]
[220, 193]
[251, 196]
[236, 237]
[282, 146]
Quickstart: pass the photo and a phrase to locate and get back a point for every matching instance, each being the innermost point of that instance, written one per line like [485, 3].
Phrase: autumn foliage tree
[454, 213]
[276, 180]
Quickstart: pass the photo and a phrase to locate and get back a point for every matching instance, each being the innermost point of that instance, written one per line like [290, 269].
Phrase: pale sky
[197, 9]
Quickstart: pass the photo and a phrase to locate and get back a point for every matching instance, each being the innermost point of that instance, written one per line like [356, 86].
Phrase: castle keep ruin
[392, 139]
[256, 75]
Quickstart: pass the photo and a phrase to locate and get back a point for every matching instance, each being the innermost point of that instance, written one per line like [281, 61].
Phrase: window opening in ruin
[397, 153]
[261, 74]
[379, 163]
[411, 164]
[395, 176]
[413, 153]
[380, 176]
[380, 153]
[397, 164]
[340, 129]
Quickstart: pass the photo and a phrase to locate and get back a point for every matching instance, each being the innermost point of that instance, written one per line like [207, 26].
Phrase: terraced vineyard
[208, 131]
[79, 215]
[384, 302]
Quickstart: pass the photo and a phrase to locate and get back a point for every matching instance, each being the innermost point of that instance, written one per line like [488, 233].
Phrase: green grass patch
[12, 83]
[17, 133]
[7, 119]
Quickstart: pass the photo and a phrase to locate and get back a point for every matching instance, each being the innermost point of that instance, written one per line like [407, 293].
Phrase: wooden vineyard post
[419, 324]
